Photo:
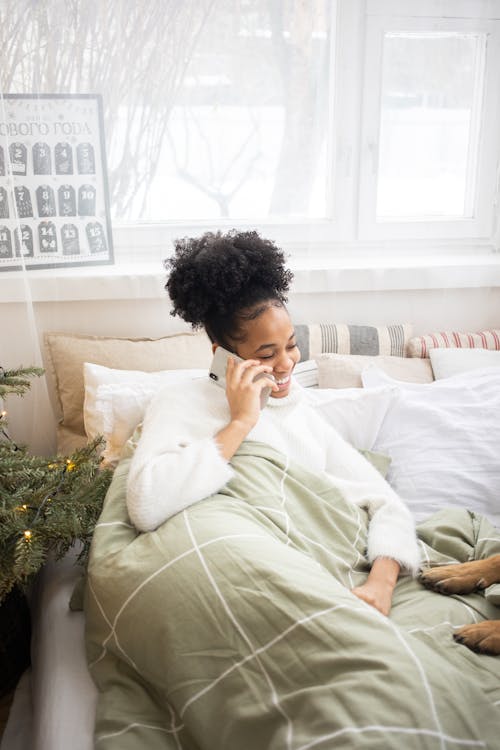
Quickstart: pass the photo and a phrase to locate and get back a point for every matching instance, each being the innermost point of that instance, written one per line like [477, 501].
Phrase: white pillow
[443, 439]
[116, 400]
[121, 409]
[448, 362]
[306, 373]
[356, 413]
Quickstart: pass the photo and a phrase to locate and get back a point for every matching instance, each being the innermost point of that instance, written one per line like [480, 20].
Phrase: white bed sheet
[63, 694]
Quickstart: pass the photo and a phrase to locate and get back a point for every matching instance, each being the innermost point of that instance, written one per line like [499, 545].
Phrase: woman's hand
[378, 588]
[243, 395]
[378, 596]
[243, 391]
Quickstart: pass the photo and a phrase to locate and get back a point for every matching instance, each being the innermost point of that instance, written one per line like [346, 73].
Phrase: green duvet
[232, 626]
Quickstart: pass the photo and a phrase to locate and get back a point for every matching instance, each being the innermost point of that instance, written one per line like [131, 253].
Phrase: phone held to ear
[218, 368]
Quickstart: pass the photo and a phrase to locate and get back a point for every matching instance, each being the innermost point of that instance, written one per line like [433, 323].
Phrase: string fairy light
[68, 466]
[3, 418]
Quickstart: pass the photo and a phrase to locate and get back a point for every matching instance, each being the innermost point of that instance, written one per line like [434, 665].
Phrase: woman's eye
[269, 356]
[292, 346]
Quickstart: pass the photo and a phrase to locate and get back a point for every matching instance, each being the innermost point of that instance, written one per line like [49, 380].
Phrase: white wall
[32, 421]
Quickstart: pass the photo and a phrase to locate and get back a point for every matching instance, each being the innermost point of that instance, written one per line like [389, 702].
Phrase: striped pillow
[337, 338]
[419, 346]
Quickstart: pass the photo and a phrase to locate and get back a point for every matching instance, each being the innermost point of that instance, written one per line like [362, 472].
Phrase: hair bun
[217, 274]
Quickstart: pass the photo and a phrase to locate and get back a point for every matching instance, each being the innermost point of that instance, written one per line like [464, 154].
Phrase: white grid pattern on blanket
[257, 651]
[241, 631]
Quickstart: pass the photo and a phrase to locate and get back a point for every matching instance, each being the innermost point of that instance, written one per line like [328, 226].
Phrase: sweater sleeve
[177, 461]
[391, 531]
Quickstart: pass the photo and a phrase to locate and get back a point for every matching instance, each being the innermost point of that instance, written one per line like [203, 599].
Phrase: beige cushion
[69, 441]
[344, 370]
[65, 353]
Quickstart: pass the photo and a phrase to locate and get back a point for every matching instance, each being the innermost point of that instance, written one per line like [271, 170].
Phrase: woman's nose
[283, 362]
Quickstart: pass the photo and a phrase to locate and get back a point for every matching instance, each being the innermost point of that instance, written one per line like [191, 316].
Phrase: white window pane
[246, 131]
[212, 109]
[432, 87]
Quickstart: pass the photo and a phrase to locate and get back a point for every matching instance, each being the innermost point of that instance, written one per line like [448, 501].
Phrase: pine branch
[46, 505]
[16, 381]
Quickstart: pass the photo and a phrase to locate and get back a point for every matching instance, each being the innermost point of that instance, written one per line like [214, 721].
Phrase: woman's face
[270, 338]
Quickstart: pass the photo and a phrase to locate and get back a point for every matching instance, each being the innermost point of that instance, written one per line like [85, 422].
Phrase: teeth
[283, 381]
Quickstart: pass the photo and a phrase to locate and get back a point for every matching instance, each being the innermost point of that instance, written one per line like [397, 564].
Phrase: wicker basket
[15, 636]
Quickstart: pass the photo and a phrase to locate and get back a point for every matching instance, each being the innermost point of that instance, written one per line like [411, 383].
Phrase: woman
[234, 285]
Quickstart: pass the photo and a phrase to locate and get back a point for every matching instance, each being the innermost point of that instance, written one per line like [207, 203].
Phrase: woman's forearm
[163, 481]
[378, 588]
[384, 571]
[231, 437]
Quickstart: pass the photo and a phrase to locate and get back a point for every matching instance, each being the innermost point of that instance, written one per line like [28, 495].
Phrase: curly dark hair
[217, 280]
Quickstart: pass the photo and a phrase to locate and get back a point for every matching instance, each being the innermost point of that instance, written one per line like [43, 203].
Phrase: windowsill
[312, 275]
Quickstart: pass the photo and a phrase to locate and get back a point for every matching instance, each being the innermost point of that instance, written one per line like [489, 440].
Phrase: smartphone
[218, 368]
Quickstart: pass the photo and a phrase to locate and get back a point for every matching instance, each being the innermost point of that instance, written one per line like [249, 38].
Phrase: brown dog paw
[483, 637]
[462, 578]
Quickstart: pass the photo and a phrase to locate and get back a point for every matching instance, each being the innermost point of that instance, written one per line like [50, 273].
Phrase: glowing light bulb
[27, 535]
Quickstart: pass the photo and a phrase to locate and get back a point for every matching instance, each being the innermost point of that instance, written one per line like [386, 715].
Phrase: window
[212, 109]
[246, 133]
[430, 151]
[332, 125]
[431, 106]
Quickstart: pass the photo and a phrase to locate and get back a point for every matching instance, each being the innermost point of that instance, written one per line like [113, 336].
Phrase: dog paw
[449, 579]
[462, 578]
[482, 637]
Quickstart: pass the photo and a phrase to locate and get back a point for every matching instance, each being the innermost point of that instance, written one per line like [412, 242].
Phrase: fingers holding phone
[248, 384]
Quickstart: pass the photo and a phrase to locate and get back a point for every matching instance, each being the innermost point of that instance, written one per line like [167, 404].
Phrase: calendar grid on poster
[54, 201]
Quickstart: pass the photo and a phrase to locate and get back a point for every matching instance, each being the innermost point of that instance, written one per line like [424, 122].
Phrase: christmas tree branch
[16, 381]
[46, 505]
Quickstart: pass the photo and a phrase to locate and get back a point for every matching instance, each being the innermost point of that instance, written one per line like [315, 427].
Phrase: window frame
[484, 178]
[350, 228]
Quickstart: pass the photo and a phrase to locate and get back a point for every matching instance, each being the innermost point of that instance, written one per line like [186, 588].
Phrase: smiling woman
[234, 285]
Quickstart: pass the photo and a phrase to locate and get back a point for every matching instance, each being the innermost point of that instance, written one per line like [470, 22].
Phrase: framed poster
[54, 202]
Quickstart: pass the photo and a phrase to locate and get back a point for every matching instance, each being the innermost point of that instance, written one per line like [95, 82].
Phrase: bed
[415, 393]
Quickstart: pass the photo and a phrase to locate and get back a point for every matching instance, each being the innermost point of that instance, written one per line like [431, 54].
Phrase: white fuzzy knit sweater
[177, 461]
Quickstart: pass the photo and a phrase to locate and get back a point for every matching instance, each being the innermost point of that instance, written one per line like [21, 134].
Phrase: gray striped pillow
[338, 338]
